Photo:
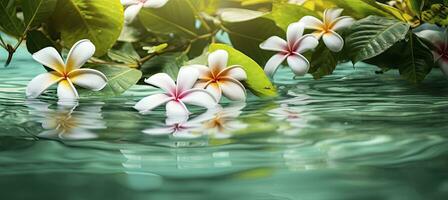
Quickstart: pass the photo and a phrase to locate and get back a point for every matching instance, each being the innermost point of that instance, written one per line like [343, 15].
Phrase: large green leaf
[323, 62]
[362, 8]
[256, 81]
[8, 18]
[286, 13]
[169, 63]
[37, 11]
[37, 40]
[373, 35]
[120, 79]
[100, 21]
[246, 36]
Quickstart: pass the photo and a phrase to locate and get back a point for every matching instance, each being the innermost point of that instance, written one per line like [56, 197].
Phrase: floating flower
[439, 40]
[176, 96]
[66, 74]
[327, 29]
[291, 50]
[134, 7]
[220, 79]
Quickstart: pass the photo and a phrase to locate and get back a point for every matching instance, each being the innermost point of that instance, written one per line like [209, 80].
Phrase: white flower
[134, 7]
[439, 40]
[66, 74]
[179, 127]
[327, 29]
[224, 121]
[220, 79]
[176, 96]
[291, 50]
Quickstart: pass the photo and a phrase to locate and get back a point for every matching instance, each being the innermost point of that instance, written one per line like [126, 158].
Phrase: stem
[199, 16]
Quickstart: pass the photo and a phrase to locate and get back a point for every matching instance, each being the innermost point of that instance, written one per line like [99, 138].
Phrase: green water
[352, 135]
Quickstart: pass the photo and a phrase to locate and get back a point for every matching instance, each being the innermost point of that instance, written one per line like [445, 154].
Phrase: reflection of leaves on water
[217, 122]
[66, 123]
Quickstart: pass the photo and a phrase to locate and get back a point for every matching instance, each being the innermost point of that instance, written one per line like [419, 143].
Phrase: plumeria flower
[291, 50]
[327, 29]
[176, 96]
[220, 79]
[439, 40]
[66, 74]
[134, 7]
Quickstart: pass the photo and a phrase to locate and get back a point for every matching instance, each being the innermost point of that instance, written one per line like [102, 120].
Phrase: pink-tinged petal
[342, 23]
[129, 2]
[306, 43]
[159, 131]
[176, 108]
[274, 43]
[155, 3]
[215, 90]
[437, 38]
[80, 53]
[88, 78]
[312, 23]
[233, 89]
[217, 60]
[204, 71]
[294, 33]
[235, 71]
[273, 63]
[299, 64]
[443, 66]
[66, 91]
[333, 41]
[50, 57]
[186, 78]
[149, 103]
[131, 12]
[199, 97]
[162, 81]
[40, 83]
[331, 14]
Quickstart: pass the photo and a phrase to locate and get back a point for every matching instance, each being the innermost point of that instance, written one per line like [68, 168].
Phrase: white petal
[186, 134]
[333, 41]
[78, 134]
[186, 78]
[306, 43]
[176, 108]
[129, 2]
[149, 103]
[199, 97]
[204, 71]
[294, 33]
[215, 90]
[273, 63]
[162, 81]
[88, 78]
[40, 83]
[298, 64]
[342, 23]
[233, 89]
[274, 43]
[66, 91]
[155, 3]
[159, 131]
[236, 72]
[331, 14]
[435, 37]
[217, 60]
[312, 23]
[50, 57]
[80, 53]
[131, 12]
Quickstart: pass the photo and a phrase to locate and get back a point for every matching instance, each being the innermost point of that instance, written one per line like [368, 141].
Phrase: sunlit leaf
[8, 18]
[37, 11]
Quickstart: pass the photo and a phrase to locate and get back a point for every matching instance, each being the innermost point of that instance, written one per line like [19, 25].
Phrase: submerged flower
[66, 74]
[291, 50]
[439, 40]
[134, 7]
[176, 96]
[220, 79]
[327, 29]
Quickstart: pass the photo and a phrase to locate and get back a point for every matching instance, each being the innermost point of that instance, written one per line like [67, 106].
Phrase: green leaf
[238, 14]
[417, 61]
[373, 35]
[155, 49]
[247, 36]
[37, 11]
[169, 63]
[415, 6]
[362, 8]
[257, 81]
[120, 79]
[8, 18]
[37, 40]
[177, 17]
[286, 13]
[100, 21]
[323, 62]
[125, 54]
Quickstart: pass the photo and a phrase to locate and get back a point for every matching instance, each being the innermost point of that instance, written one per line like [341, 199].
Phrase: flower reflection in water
[65, 122]
[296, 119]
[217, 122]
